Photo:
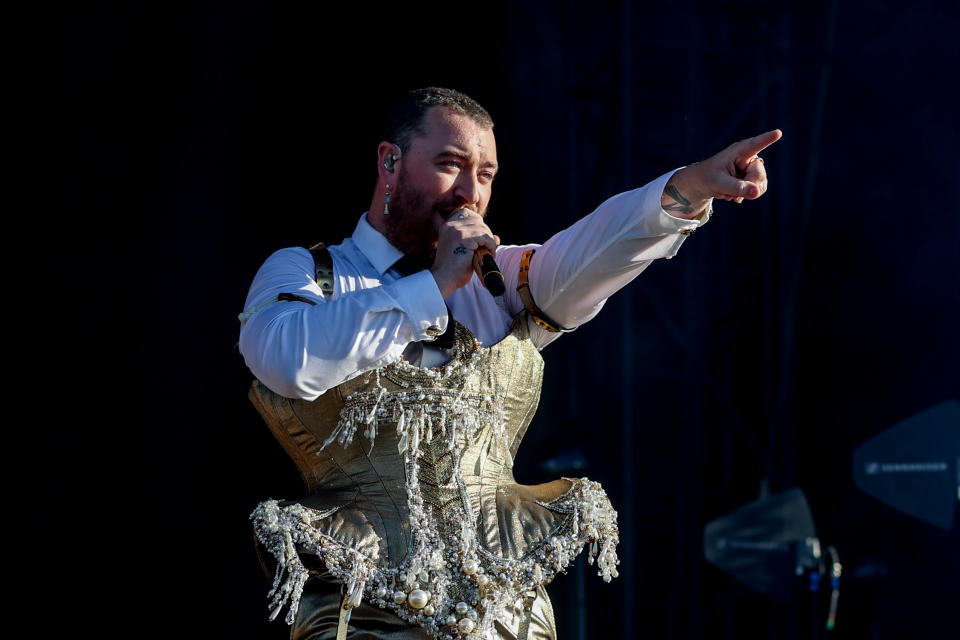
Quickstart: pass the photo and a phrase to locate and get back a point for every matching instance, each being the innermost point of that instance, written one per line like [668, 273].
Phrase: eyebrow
[456, 153]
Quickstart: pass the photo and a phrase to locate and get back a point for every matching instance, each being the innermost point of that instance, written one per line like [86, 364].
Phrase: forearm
[679, 198]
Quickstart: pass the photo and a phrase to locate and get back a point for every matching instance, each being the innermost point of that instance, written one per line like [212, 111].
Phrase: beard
[413, 223]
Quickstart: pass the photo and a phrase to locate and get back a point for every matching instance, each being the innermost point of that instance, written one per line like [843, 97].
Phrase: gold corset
[412, 503]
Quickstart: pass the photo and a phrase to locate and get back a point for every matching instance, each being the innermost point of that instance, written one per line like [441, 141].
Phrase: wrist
[681, 198]
[444, 283]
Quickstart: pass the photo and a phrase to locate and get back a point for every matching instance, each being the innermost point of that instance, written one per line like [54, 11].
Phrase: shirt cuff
[421, 300]
[686, 226]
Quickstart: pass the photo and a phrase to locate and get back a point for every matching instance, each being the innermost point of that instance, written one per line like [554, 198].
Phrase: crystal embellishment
[448, 583]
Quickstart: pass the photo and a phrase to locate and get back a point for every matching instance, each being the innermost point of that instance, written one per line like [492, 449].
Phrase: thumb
[729, 186]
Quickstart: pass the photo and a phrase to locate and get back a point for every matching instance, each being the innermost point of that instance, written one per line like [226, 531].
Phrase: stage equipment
[766, 544]
[769, 545]
[914, 466]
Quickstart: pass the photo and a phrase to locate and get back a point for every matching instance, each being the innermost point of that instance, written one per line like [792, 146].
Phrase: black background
[189, 142]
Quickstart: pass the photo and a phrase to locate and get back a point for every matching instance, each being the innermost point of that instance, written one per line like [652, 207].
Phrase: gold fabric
[359, 498]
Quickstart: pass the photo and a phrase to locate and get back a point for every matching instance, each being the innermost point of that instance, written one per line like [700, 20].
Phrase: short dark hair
[406, 119]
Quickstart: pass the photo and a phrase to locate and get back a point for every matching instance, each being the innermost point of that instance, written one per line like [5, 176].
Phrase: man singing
[401, 386]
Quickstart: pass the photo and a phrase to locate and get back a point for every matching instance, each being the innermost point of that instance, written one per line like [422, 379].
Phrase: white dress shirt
[300, 350]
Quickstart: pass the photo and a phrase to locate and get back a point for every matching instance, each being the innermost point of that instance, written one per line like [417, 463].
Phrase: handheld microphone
[486, 267]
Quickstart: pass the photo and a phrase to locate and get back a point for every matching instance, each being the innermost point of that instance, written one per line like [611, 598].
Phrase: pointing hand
[737, 173]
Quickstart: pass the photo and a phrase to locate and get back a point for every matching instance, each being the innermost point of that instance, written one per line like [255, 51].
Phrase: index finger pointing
[752, 146]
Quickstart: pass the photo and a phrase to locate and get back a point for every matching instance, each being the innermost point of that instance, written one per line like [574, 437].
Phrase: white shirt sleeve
[574, 272]
[299, 350]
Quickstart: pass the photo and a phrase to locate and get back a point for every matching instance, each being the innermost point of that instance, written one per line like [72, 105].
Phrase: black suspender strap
[323, 264]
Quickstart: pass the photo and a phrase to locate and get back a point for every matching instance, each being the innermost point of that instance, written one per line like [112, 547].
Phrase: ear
[388, 156]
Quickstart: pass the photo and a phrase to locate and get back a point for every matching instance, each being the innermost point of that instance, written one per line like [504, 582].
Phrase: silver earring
[386, 202]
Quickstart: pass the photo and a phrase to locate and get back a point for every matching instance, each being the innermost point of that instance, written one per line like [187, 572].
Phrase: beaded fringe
[448, 584]
[284, 530]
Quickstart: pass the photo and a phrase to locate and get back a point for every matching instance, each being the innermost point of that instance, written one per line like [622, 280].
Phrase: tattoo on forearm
[460, 250]
[682, 204]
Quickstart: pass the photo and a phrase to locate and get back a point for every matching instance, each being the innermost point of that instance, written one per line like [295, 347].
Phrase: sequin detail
[449, 583]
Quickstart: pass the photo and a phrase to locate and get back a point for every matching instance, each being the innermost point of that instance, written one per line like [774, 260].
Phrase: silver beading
[448, 583]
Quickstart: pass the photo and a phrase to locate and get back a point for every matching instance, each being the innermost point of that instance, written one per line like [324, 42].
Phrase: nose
[468, 190]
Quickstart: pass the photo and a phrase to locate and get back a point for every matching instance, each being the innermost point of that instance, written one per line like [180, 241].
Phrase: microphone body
[486, 267]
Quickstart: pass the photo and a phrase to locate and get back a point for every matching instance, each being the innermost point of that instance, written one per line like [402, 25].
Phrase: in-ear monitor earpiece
[392, 159]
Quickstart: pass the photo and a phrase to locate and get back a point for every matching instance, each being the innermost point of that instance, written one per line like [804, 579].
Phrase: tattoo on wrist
[682, 205]
[460, 250]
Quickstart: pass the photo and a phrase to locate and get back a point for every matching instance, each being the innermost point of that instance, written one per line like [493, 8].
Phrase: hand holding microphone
[465, 245]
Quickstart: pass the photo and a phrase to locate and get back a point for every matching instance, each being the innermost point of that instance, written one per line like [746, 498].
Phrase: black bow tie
[408, 265]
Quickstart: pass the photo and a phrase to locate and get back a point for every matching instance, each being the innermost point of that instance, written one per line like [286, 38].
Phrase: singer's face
[450, 167]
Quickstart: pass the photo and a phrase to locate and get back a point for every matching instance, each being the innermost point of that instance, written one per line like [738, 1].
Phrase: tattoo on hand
[682, 204]
[460, 250]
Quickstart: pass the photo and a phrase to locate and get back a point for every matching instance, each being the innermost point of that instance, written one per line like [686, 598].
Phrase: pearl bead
[429, 610]
[382, 592]
[466, 625]
[472, 615]
[451, 620]
[399, 597]
[470, 566]
[462, 608]
[483, 580]
[418, 598]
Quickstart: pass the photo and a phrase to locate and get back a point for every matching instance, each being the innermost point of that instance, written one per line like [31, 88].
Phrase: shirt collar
[374, 246]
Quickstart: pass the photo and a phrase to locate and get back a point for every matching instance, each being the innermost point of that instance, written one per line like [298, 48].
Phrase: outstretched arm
[576, 270]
